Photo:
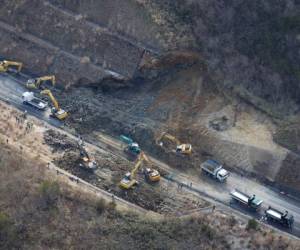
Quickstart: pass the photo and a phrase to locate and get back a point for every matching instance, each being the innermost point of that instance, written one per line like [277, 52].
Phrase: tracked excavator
[86, 162]
[7, 65]
[56, 111]
[181, 148]
[129, 180]
[36, 83]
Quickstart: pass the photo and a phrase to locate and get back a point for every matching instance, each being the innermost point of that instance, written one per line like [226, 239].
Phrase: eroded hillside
[217, 74]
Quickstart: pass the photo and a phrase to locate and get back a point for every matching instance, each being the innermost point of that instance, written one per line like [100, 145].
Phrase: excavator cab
[151, 175]
[7, 65]
[184, 149]
[36, 83]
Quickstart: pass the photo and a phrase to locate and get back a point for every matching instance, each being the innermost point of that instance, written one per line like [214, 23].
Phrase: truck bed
[240, 196]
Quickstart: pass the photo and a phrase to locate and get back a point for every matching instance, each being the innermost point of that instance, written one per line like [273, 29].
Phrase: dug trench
[163, 197]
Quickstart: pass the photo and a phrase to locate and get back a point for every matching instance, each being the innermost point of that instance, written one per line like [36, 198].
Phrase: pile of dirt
[58, 141]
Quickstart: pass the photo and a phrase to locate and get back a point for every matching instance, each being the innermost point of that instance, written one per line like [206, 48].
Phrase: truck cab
[214, 169]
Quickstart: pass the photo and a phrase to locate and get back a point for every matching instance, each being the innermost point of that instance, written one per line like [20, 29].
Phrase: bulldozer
[36, 83]
[181, 148]
[56, 111]
[86, 162]
[5, 66]
[129, 180]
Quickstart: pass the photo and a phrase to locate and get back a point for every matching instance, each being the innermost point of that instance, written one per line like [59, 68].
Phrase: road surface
[12, 87]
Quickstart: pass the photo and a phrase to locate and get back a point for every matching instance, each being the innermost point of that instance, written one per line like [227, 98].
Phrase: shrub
[8, 234]
[101, 206]
[49, 191]
[252, 224]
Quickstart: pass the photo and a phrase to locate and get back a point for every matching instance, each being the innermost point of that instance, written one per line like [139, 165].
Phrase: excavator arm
[36, 83]
[6, 65]
[182, 148]
[142, 158]
[52, 98]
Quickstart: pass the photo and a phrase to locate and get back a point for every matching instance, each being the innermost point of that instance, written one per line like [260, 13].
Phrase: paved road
[11, 89]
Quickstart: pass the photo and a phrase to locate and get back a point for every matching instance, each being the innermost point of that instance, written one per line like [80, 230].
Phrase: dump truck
[283, 218]
[215, 170]
[29, 99]
[246, 200]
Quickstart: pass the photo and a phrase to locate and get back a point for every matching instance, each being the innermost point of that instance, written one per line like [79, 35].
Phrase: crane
[129, 180]
[182, 148]
[6, 65]
[35, 83]
[56, 110]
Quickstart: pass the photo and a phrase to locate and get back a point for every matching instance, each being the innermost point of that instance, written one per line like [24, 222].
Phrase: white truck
[249, 201]
[274, 215]
[215, 170]
[30, 99]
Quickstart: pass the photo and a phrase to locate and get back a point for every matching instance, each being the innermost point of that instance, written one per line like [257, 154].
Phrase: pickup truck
[277, 216]
[249, 201]
[29, 99]
[215, 170]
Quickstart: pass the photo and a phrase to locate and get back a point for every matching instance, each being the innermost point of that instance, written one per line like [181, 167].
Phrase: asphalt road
[12, 87]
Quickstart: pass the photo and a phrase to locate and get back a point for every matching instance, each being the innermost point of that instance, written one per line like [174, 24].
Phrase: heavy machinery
[181, 148]
[56, 111]
[129, 180]
[132, 147]
[274, 215]
[86, 162]
[215, 170]
[36, 83]
[151, 175]
[29, 99]
[7, 65]
[249, 201]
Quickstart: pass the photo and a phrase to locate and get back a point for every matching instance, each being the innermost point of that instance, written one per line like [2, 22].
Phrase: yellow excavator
[182, 148]
[6, 65]
[129, 180]
[36, 83]
[86, 162]
[56, 111]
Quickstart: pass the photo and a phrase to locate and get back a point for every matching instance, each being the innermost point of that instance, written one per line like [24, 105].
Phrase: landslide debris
[58, 141]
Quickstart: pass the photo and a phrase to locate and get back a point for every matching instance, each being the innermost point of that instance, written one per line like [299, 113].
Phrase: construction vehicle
[36, 83]
[249, 201]
[277, 216]
[215, 170]
[129, 180]
[131, 147]
[56, 111]
[29, 99]
[185, 149]
[7, 65]
[151, 175]
[85, 160]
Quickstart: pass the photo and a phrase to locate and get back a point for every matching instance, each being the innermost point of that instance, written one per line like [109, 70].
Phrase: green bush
[101, 206]
[8, 234]
[50, 192]
[252, 225]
